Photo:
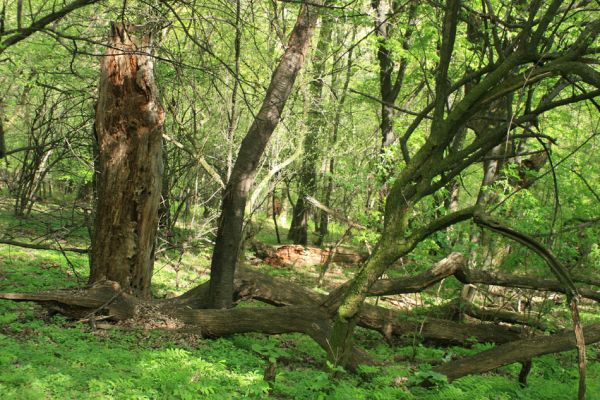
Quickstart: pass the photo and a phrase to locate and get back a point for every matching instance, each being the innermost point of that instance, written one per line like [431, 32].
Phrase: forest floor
[49, 357]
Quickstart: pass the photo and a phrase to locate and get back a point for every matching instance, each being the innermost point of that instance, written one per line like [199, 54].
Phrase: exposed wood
[128, 127]
[302, 256]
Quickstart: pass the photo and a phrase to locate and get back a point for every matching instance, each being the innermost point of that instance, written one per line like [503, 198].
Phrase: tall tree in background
[307, 184]
[391, 73]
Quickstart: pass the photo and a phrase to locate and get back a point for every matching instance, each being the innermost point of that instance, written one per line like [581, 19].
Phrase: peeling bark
[128, 127]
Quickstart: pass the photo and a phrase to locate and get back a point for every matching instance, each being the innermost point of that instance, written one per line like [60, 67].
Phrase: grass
[44, 357]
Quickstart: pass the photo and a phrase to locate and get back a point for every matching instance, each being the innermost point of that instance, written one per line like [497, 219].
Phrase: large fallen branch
[561, 273]
[42, 246]
[491, 314]
[517, 351]
[107, 299]
[455, 264]
[282, 292]
[272, 290]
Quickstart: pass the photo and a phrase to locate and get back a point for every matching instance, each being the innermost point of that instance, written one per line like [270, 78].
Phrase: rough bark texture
[128, 132]
[229, 234]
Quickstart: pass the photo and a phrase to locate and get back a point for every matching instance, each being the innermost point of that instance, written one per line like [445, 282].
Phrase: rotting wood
[128, 127]
[303, 256]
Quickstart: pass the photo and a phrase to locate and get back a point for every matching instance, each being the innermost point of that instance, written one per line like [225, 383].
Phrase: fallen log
[304, 256]
[282, 292]
[489, 314]
[455, 265]
[275, 291]
[299, 309]
[517, 351]
[106, 300]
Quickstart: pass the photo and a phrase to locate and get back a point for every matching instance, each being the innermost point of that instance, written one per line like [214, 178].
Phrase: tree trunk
[229, 234]
[308, 176]
[128, 127]
[2, 141]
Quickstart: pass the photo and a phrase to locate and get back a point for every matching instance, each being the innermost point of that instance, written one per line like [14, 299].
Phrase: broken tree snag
[128, 128]
[517, 351]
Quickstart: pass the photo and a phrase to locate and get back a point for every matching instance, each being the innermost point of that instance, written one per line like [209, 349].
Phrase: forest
[300, 199]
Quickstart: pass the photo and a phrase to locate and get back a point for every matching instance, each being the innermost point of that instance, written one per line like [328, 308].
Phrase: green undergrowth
[43, 357]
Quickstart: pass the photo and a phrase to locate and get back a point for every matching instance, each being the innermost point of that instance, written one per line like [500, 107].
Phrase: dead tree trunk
[128, 129]
[229, 234]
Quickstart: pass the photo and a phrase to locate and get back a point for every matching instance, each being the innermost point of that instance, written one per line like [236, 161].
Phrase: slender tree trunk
[324, 225]
[390, 79]
[386, 69]
[2, 140]
[164, 209]
[229, 234]
[308, 176]
[128, 127]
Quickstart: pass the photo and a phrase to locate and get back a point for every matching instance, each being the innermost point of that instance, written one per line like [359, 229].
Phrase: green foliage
[427, 378]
